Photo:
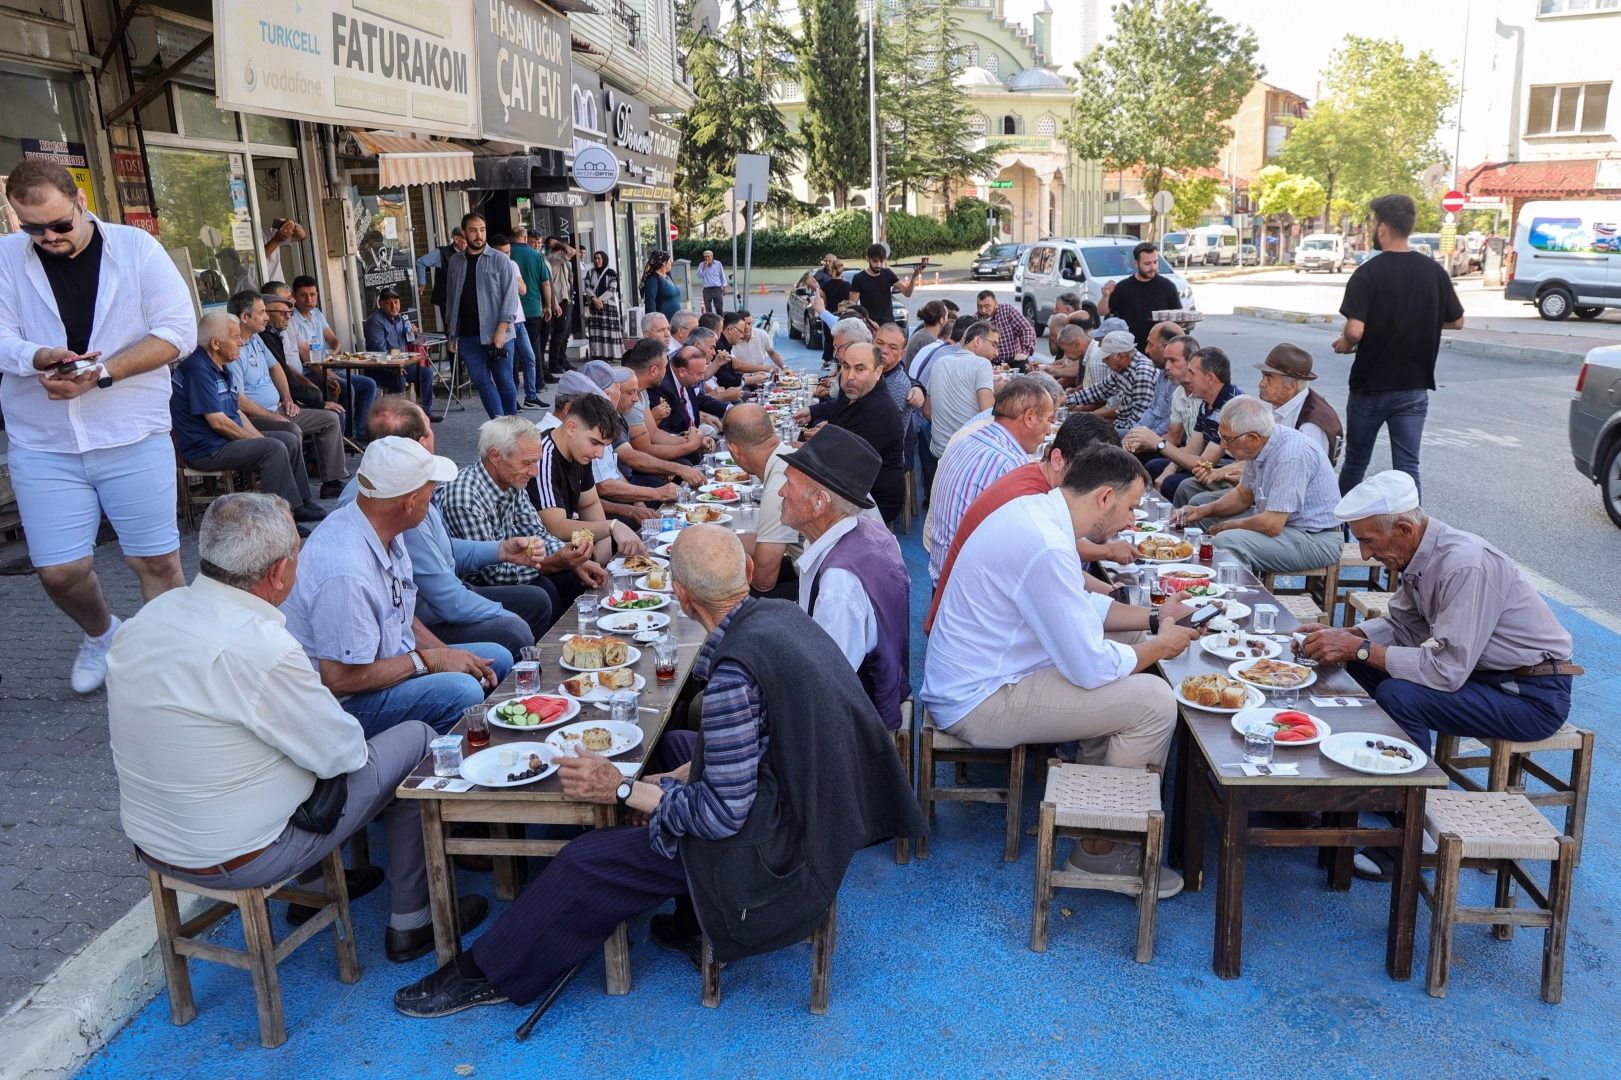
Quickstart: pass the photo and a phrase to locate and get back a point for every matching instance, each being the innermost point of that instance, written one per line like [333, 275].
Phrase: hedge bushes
[847, 233]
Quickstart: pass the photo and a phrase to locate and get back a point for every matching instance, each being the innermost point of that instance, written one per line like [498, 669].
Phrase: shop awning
[402, 161]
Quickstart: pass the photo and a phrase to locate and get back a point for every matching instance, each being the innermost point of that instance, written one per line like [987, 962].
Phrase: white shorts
[61, 498]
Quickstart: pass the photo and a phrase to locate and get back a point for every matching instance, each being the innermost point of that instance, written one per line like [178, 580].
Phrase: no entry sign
[1452, 202]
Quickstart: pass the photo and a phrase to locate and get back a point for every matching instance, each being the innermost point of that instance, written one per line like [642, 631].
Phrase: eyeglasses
[61, 228]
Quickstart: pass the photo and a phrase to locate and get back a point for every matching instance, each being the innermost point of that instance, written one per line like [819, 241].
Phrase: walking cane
[546, 1002]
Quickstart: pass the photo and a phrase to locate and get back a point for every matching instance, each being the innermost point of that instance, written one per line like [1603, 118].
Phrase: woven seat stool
[1369, 605]
[1322, 583]
[1099, 802]
[1379, 575]
[1495, 830]
[904, 737]
[1508, 763]
[1302, 607]
[935, 745]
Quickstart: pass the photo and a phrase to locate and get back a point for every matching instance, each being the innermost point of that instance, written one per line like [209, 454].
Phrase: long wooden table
[1201, 784]
[540, 803]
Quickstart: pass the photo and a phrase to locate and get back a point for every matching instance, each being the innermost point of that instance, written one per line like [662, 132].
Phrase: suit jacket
[304, 395]
[679, 397]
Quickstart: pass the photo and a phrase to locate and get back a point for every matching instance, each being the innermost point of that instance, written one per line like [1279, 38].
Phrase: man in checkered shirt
[487, 501]
[1130, 384]
[1016, 338]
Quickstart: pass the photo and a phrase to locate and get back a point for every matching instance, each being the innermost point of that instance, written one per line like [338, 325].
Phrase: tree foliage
[832, 70]
[1159, 92]
[1279, 193]
[1193, 197]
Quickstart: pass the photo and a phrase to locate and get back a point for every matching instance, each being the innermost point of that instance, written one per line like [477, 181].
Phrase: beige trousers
[1128, 723]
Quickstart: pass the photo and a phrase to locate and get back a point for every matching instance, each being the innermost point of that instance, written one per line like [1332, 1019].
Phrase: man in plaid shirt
[1130, 384]
[1016, 341]
[487, 501]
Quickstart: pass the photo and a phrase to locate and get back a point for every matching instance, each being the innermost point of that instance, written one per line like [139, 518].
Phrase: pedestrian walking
[560, 257]
[483, 295]
[1395, 308]
[1136, 298]
[712, 276]
[604, 328]
[91, 439]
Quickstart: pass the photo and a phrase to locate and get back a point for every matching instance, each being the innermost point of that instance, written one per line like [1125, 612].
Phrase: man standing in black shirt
[866, 409]
[1395, 307]
[1135, 299]
[874, 287]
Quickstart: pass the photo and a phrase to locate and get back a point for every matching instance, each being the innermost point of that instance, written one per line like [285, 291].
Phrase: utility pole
[1463, 71]
[872, 122]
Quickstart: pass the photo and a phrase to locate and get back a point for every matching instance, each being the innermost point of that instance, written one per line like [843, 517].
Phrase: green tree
[1334, 145]
[1157, 95]
[1193, 197]
[1289, 198]
[831, 53]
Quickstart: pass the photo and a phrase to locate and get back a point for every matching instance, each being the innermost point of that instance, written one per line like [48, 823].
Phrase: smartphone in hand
[75, 366]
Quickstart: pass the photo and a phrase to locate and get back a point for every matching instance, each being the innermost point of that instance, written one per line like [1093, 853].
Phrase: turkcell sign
[403, 64]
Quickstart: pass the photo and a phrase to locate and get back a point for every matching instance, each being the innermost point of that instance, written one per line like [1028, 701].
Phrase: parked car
[1595, 425]
[1565, 258]
[802, 321]
[1321, 251]
[1214, 245]
[996, 261]
[1248, 255]
[1080, 266]
[1457, 263]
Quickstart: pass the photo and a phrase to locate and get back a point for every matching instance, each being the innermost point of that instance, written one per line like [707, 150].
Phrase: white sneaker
[90, 666]
[1122, 860]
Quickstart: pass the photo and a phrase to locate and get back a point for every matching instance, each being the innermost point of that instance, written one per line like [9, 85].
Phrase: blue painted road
[933, 977]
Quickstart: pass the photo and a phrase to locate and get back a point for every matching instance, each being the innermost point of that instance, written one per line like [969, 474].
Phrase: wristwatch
[1161, 445]
[417, 662]
[106, 378]
[1363, 652]
[622, 792]
[1153, 621]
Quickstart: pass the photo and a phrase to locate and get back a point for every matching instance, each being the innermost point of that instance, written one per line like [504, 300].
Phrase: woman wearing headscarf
[604, 328]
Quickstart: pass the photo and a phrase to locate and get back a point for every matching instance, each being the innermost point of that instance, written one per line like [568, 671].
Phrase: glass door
[202, 206]
[382, 229]
[276, 183]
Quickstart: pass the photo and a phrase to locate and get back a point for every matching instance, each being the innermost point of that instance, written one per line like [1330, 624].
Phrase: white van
[1082, 266]
[1566, 257]
[1214, 245]
[1321, 251]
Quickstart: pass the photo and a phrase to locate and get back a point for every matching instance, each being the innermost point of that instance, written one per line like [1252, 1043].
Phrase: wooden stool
[903, 747]
[1100, 803]
[1303, 607]
[1379, 575]
[1370, 605]
[177, 940]
[1327, 579]
[1495, 830]
[1509, 761]
[822, 943]
[935, 745]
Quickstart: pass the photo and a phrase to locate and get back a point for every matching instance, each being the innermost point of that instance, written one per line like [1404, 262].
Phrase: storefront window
[202, 206]
[35, 108]
[199, 119]
[382, 227]
[269, 130]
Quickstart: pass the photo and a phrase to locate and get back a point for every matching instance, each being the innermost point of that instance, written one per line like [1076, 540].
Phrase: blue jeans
[362, 389]
[491, 372]
[437, 700]
[1491, 705]
[1365, 414]
[524, 353]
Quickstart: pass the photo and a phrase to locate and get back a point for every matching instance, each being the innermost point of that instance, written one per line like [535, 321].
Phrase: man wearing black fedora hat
[1286, 376]
[852, 577]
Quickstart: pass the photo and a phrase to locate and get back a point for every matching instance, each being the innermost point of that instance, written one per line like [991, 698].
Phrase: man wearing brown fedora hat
[1286, 378]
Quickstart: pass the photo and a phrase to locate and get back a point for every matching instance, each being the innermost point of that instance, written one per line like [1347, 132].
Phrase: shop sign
[1607, 174]
[129, 168]
[595, 169]
[71, 156]
[560, 198]
[645, 147]
[524, 55]
[405, 64]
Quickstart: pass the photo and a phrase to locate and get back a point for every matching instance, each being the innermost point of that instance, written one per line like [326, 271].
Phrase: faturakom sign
[403, 64]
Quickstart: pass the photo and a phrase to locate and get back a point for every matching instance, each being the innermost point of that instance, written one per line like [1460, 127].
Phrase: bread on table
[1214, 691]
[596, 738]
[614, 651]
[579, 686]
[583, 652]
[617, 679]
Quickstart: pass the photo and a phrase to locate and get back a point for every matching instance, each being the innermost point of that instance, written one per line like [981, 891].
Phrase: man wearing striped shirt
[1130, 384]
[1020, 419]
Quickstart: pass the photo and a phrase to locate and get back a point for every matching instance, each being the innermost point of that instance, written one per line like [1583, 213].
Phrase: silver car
[1595, 425]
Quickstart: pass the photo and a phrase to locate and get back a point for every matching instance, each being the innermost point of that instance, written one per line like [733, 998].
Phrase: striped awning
[402, 161]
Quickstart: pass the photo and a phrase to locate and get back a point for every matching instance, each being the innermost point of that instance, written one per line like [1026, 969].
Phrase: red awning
[1533, 180]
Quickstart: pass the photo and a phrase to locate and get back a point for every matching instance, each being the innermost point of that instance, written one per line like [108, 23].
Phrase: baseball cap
[396, 466]
[599, 372]
[576, 384]
[1109, 326]
[1118, 341]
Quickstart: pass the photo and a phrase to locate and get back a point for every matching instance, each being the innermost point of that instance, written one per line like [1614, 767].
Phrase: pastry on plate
[1215, 691]
[580, 685]
[597, 738]
[585, 652]
[617, 679]
[614, 651]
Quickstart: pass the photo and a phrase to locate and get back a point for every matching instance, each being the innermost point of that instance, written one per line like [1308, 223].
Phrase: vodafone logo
[250, 78]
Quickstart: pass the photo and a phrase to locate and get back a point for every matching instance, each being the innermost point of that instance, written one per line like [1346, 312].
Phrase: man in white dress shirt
[95, 442]
[220, 729]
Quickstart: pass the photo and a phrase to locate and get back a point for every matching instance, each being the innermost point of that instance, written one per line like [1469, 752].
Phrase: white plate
[1255, 700]
[707, 497]
[1214, 591]
[668, 537]
[607, 603]
[1209, 643]
[662, 549]
[626, 736]
[1251, 716]
[1148, 528]
[485, 769]
[619, 564]
[1230, 609]
[723, 519]
[568, 714]
[1311, 676]
[598, 694]
[622, 622]
[1139, 513]
[1171, 567]
[643, 586]
[632, 654]
[745, 480]
[1179, 561]
[1340, 748]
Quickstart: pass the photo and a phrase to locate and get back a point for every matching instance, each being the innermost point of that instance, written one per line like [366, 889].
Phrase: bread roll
[579, 686]
[1234, 697]
[596, 738]
[617, 679]
[613, 652]
[583, 652]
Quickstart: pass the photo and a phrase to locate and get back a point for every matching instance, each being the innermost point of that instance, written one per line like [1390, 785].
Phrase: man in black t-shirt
[1395, 307]
[874, 286]
[1135, 299]
[564, 491]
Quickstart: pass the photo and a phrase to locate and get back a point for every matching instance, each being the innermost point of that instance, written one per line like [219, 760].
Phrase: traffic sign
[1452, 202]
[1163, 202]
[675, 233]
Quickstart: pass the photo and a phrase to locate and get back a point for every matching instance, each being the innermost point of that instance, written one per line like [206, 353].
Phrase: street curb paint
[1472, 347]
[1276, 315]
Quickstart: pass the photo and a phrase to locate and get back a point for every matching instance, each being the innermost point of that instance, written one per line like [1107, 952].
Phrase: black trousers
[278, 458]
[558, 331]
[540, 340]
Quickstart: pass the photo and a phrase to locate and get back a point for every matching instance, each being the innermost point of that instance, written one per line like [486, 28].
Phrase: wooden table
[1206, 741]
[359, 362]
[540, 803]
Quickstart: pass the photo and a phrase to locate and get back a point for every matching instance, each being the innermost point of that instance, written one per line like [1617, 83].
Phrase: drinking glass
[624, 706]
[665, 653]
[1266, 618]
[1227, 574]
[650, 531]
[585, 610]
[526, 677]
[1285, 690]
[447, 755]
[478, 725]
[624, 580]
[1258, 744]
[1297, 641]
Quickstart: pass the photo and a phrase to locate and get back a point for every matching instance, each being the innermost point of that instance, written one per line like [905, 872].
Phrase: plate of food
[730, 474]
[1139, 513]
[635, 564]
[632, 622]
[1264, 673]
[599, 685]
[646, 582]
[1239, 646]
[1210, 590]
[583, 653]
[1164, 549]
[605, 737]
[1148, 526]
[634, 601]
[1289, 728]
[705, 515]
[1369, 753]
[1181, 577]
[663, 549]
[1218, 694]
[667, 537]
[534, 711]
[511, 765]
[718, 493]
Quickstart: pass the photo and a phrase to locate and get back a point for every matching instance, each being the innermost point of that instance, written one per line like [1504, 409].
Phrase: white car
[1321, 251]
[1083, 267]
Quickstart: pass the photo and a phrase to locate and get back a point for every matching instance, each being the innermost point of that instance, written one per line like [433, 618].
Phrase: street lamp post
[872, 120]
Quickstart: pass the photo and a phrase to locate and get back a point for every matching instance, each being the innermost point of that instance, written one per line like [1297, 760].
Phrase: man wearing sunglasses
[91, 437]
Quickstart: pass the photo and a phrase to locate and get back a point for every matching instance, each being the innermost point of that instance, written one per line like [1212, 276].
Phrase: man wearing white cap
[1499, 667]
[354, 605]
[1130, 384]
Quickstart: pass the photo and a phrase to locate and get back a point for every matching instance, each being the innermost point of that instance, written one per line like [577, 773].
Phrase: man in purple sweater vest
[852, 578]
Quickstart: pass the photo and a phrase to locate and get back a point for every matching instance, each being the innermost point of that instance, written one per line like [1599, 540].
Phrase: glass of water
[1266, 618]
[625, 706]
[1258, 744]
[526, 677]
[624, 580]
[585, 610]
[650, 532]
[1285, 690]
[1227, 574]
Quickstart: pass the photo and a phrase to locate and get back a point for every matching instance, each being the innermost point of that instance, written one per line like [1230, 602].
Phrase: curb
[1277, 315]
[89, 998]
[1473, 347]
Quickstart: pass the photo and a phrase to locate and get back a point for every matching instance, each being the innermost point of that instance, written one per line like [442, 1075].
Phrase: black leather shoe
[661, 930]
[403, 946]
[445, 992]
[360, 883]
[309, 512]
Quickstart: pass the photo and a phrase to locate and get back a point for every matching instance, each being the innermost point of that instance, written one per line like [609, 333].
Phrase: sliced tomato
[1291, 718]
[1290, 735]
[1308, 729]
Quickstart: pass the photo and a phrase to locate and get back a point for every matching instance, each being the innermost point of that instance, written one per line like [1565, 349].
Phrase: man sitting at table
[1018, 653]
[488, 501]
[354, 606]
[1280, 517]
[564, 490]
[754, 445]
[220, 729]
[776, 748]
[852, 577]
[388, 331]
[620, 499]
[1129, 384]
[512, 616]
[867, 410]
[647, 360]
[1209, 387]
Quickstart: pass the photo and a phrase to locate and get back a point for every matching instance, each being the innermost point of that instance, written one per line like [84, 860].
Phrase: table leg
[506, 867]
[1195, 810]
[616, 950]
[1340, 858]
[447, 936]
[1404, 889]
[1229, 961]
[1176, 848]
